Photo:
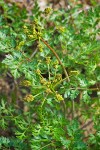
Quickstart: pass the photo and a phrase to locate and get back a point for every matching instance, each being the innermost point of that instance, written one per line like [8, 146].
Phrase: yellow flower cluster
[60, 28]
[55, 81]
[55, 64]
[43, 81]
[26, 83]
[25, 29]
[59, 97]
[59, 76]
[40, 47]
[31, 36]
[48, 91]
[20, 44]
[48, 60]
[29, 98]
[47, 11]
[74, 72]
[35, 21]
[35, 31]
[97, 111]
[38, 71]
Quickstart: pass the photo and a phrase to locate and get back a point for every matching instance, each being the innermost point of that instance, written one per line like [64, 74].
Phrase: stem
[45, 146]
[73, 109]
[78, 88]
[56, 55]
[33, 53]
[90, 89]
[59, 82]
[49, 71]
[87, 124]
[38, 94]
[64, 69]
[43, 102]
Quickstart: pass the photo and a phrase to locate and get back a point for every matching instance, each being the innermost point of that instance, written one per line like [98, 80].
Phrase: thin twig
[45, 146]
[90, 89]
[34, 53]
[87, 124]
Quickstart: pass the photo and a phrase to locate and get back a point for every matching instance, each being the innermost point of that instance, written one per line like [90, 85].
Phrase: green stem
[45, 146]
[49, 71]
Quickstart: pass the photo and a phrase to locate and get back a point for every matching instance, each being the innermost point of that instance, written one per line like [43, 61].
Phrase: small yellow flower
[47, 11]
[59, 97]
[48, 83]
[29, 98]
[26, 30]
[20, 44]
[43, 81]
[25, 27]
[38, 71]
[31, 36]
[60, 28]
[39, 34]
[74, 72]
[55, 66]
[48, 60]
[97, 111]
[55, 80]
[34, 31]
[26, 83]
[35, 22]
[56, 62]
[48, 91]
[40, 47]
[59, 76]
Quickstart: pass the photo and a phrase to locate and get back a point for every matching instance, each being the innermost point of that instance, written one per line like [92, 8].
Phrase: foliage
[53, 58]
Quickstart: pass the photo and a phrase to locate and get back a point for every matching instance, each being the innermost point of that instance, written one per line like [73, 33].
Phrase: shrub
[52, 58]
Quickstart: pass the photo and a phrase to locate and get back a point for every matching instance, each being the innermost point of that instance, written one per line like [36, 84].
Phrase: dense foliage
[53, 61]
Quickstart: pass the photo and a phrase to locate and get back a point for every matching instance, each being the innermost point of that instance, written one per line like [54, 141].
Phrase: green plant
[53, 60]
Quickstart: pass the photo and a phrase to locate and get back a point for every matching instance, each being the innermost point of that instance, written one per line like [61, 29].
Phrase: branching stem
[56, 55]
[64, 69]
